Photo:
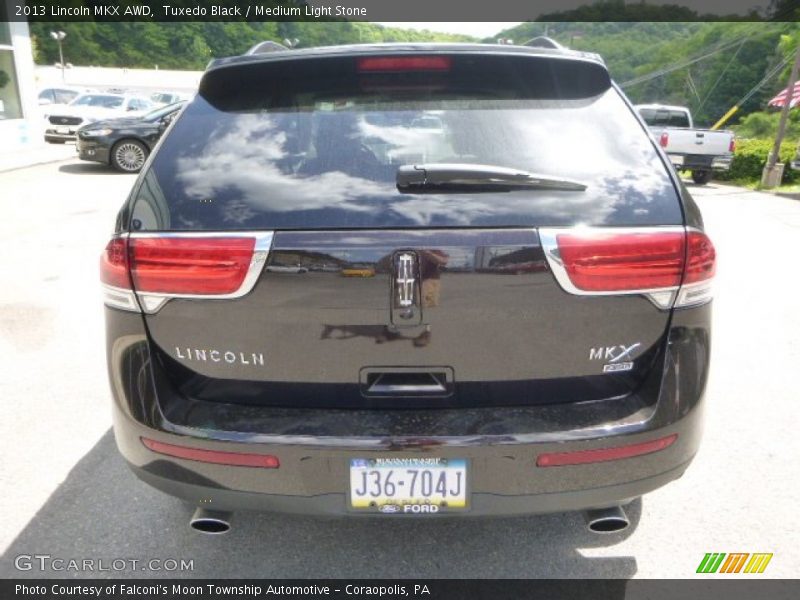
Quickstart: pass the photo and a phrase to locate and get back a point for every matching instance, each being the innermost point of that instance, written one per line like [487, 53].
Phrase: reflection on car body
[287, 269]
[125, 143]
[358, 271]
[64, 121]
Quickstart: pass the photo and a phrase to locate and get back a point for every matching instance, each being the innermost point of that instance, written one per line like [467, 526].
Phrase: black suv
[409, 281]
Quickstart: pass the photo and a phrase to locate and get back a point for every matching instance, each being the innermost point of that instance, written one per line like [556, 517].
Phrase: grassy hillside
[191, 45]
[709, 87]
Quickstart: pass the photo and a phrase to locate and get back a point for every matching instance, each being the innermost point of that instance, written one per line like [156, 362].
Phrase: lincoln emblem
[405, 279]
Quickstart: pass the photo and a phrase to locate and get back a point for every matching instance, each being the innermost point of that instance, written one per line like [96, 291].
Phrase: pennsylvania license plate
[408, 485]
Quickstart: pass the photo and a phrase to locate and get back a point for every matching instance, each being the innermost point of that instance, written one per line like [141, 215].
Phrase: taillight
[663, 140]
[732, 146]
[615, 262]
[701, 258]
[666, 264]
[196, 265]
[701, 265]
[383, 64]
[114, 264]
[235, 459]
[585, 457]
[157, 267]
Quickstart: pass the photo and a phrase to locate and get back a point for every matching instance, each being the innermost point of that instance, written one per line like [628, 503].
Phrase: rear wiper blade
[445, 177]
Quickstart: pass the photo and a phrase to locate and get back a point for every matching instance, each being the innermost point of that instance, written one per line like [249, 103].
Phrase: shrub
[750, 158]
[764, 125]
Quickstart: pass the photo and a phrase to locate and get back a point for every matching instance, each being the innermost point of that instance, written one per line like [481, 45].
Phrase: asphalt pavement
[68, 495]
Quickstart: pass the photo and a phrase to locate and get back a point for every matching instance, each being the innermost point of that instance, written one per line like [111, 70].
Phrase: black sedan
[125, 143]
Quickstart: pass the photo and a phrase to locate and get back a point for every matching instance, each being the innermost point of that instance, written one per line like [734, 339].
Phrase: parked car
[358, 271]
[124, 143]
[165, 98]
[413, 390]
[697, 150]
[59, 95]
[64, 121]
[296, 269]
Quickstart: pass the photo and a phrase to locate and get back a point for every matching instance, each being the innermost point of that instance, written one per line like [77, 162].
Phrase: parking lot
[69, 495]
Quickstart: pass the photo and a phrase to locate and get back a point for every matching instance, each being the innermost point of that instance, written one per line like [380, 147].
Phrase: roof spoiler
[266, 47]
[543, 42]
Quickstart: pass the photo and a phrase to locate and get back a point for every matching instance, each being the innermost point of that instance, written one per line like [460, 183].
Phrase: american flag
[780, 99]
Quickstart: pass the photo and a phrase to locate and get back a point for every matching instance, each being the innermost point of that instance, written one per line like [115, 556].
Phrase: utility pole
[773, 170]
[59, 36]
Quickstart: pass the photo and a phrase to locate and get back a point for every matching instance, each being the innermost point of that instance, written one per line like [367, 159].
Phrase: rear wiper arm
[444, 177]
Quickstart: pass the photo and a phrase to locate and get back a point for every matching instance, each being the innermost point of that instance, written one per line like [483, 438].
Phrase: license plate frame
[64, 130]
[403, 503]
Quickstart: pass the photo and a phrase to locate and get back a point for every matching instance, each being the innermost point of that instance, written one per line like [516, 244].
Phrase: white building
[20, 118]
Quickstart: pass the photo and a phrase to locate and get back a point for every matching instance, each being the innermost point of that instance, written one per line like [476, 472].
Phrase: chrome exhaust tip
[606, 520]
[211, 522]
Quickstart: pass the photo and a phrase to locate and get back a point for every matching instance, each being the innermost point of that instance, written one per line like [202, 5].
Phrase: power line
[682, 65]
[775, 70]
[691, 85]
[675, 67]
[716, 83]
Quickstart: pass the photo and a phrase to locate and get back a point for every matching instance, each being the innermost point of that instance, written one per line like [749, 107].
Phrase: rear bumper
[52, 136]
[482, 503]
[503, 478]
[701, 161]
[500, 444]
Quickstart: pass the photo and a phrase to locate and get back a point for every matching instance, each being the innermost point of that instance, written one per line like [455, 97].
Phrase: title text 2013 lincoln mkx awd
[408, 281]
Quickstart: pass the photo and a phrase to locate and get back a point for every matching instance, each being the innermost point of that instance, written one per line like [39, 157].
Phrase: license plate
[65, 130]
[408, 485]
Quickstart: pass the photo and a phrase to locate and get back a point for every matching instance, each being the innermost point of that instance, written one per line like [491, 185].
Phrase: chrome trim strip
[633, 423]
[383, 388]
[660, 297]
[695, 294]
[123, 299]
[405, 278]
[664, 298]
[152, 302]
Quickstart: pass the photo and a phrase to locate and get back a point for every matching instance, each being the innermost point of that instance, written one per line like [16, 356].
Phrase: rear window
[163, 98]
[137, 104]
[163, 111]
[314, 144]
[65, 96]
[665, 118]
[100, 101]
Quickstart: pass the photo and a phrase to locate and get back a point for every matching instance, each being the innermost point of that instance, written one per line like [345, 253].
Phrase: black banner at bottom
[393, 589]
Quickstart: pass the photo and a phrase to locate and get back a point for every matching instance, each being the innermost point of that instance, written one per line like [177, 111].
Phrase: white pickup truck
[697, 150]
